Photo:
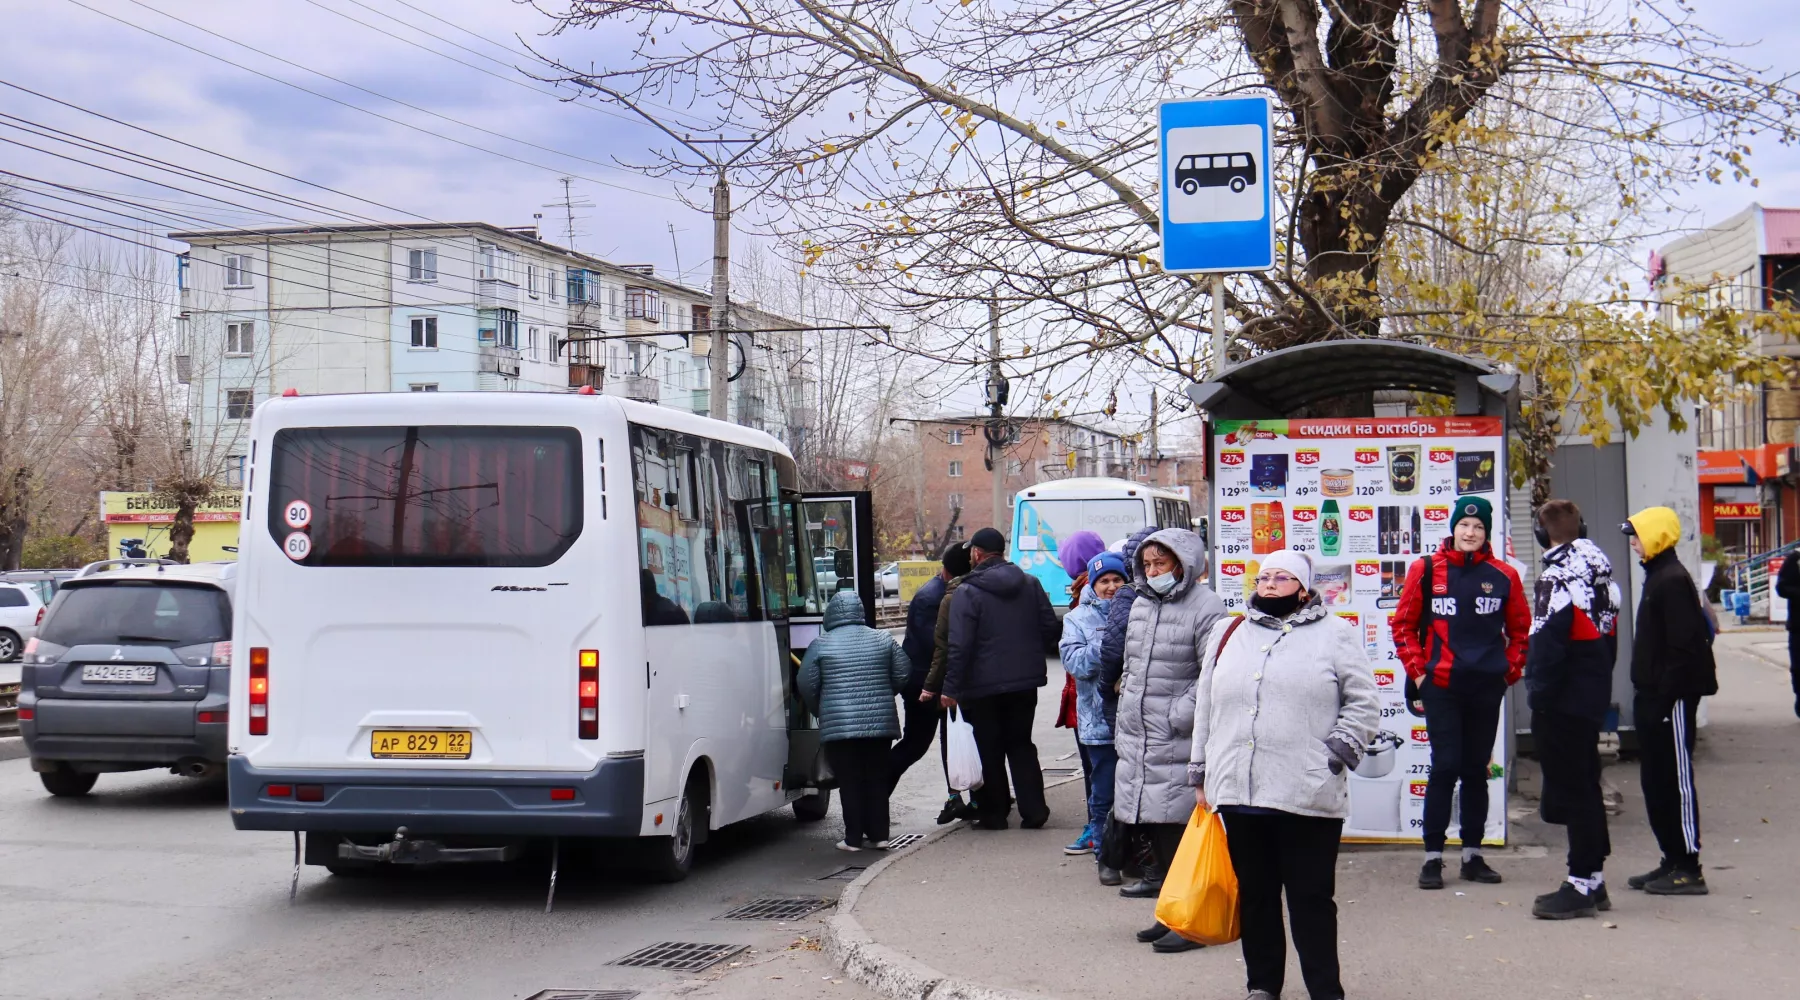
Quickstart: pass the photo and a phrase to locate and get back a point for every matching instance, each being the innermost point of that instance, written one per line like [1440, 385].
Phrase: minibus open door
[835, 537]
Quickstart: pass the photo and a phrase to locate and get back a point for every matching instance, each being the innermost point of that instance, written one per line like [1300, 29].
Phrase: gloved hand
[1343, 754]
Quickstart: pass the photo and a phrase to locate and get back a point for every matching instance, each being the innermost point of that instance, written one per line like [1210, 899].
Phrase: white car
[888, 579]
[21, 612]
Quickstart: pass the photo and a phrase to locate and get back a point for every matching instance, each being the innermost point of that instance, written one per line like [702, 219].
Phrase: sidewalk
[1005, 913]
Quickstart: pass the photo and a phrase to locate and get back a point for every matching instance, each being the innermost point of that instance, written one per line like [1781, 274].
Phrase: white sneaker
[844, 845]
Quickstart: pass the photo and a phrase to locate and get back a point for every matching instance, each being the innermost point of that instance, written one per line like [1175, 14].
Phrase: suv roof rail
[94, 567]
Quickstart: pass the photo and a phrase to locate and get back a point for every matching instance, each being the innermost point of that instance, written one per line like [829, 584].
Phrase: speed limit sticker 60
[298, 513]
[297, 546]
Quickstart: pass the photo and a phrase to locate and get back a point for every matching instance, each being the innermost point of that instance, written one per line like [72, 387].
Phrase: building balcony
[588, 376]
[492, 293]
[588, 315]
[500, 360]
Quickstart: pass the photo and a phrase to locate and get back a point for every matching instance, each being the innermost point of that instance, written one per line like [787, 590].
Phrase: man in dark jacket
[1787, 584]
[1568, 682]
[1002, 629]
[1671, 669]
[923, 716]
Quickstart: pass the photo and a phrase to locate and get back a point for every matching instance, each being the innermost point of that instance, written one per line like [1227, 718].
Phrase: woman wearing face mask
[1164, 641]
[1285, 705]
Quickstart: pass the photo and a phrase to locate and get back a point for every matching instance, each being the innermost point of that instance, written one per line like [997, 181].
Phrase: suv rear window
[13, 597]
[144, 613]
[428, 496]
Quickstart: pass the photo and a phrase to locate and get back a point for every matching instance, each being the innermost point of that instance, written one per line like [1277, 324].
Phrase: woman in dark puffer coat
[849, 678]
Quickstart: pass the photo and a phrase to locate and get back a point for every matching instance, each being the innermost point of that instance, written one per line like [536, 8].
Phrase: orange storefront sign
[1729, 466]
[1737, 511]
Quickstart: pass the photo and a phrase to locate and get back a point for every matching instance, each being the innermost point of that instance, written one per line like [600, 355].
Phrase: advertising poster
[1364, 498]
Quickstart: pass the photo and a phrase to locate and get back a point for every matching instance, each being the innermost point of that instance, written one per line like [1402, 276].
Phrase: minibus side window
[683, 528]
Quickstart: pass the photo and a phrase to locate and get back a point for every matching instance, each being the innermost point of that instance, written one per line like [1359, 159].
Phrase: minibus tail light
[259, 691]
[588, 718]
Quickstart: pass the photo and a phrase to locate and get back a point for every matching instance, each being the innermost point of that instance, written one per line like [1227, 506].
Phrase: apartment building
[1748, 470]
[448, 307]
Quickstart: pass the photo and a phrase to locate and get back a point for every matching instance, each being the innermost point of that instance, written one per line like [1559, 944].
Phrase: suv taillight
[259, 691]
[40, 616]
[31, 646]
[588, 720]
[221, 653]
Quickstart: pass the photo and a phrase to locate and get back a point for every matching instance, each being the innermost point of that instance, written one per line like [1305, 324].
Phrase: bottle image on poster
[1364, 498]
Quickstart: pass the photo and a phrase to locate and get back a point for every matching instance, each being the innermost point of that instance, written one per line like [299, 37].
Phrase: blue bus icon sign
[1217, 202]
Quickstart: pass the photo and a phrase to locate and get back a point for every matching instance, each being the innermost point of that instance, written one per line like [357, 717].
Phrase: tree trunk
[14, 519]
[181, 533]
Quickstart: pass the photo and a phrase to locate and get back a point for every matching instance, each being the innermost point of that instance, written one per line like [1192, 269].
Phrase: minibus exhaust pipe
[195, 767]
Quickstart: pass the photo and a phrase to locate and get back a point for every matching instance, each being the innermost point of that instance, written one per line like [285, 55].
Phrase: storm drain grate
[584, 995]
[680, 956]
[845, 874]
[777, 908]
[904, 841]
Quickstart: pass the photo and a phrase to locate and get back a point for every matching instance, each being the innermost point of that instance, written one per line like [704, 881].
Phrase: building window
[1014, 467]
[421, 265]
[702, 317]
[239, 404]
[612, 295]
[487, 262]
[531, 280]
[240, 338]
[955, 469]
[1012, 433]
[578, 285]
[237, 271]
[505, 329]
[181, 272]
[1143, 469]
[642, 303]
[533, 341]
[956, 435]
[233, 474]
[955, 500]
[424, 333]
[423, 386]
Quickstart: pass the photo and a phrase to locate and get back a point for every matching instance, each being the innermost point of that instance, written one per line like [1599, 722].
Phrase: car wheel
[671, 858]
[66, 783]
[1189, 186]
[10, 648]
[812, 808]
[1237, 184]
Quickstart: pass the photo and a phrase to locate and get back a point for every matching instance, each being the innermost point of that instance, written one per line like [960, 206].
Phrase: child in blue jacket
[1084, 630]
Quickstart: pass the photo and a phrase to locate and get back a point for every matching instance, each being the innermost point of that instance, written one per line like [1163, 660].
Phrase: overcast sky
[72, 50]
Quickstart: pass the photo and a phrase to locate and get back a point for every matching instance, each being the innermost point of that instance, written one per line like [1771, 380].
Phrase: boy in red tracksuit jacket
[1463, 645]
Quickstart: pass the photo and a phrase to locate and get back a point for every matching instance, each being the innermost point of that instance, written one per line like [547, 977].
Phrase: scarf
[1577, 573]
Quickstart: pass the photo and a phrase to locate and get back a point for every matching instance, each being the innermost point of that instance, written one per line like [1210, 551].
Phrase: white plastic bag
[964, 761]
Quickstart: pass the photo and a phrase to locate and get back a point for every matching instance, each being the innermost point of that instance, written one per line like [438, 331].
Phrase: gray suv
[131, 670]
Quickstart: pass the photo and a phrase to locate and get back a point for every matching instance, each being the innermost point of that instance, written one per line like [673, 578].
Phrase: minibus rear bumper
[605, 802]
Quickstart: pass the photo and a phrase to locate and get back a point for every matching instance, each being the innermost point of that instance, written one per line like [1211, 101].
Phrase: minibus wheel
[671, 858]
[813, 808]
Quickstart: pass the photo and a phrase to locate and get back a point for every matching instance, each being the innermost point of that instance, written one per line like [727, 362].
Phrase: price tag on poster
[1364, 498]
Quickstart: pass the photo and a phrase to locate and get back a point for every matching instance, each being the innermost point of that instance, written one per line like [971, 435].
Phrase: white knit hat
[1296, 564]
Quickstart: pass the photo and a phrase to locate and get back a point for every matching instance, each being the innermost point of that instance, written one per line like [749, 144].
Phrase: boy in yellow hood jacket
[1672, 668]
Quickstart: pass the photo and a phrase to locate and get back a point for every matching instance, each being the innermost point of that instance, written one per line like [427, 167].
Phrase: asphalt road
[144, 890]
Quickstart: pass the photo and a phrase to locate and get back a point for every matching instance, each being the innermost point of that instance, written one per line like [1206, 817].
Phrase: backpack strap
[1236, 620]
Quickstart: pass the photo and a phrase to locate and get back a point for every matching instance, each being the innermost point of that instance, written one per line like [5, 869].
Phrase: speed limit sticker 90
[298, 545]
[298, 514]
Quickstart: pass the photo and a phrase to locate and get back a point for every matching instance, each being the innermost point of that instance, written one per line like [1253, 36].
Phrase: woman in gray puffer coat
[849, 678]
[1164, 641]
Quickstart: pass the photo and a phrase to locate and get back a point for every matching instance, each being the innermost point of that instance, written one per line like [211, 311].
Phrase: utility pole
[1218, 325]
[996, 398]
[1154, 465]
[719, 356]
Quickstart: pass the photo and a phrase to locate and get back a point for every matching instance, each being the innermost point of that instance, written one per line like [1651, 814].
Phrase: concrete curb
[12, 748]
[886, 971]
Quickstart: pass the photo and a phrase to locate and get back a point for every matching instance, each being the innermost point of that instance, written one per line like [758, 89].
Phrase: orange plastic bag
[1199, 899]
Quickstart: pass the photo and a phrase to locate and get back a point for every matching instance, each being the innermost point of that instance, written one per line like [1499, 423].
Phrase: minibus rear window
[425, 496]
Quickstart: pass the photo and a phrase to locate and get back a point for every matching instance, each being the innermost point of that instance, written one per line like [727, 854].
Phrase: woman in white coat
[1285, 705]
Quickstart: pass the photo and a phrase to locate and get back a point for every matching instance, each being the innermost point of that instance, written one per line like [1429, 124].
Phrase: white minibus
[470, 621]
[1045, 514]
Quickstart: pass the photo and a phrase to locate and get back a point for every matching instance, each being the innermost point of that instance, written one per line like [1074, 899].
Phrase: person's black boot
[1663, 867]
[1110, 876]
[1566, 903]
[1173, 943]
[1431, 874]
[1679, 882]
[954, 806]
[1476, 870]
[1144, 888]
[1152, 933]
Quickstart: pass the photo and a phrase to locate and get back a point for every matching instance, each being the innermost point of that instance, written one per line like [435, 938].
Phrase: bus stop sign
[1217, 196]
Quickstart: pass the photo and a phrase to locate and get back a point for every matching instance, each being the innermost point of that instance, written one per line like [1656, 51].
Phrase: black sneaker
[1142, 889]
[1678, 883]
[1476, 870]
[1566, 903]
[1152, 933]
[1110, 876]
[953, 810]
[1662, 868]
[1173, 943]
[1431, 875]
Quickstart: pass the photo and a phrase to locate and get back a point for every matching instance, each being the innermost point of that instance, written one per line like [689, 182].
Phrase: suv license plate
[119, 673]
[420, 744]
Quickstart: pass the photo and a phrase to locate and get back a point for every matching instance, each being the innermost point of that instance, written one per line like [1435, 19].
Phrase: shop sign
[1737, 511]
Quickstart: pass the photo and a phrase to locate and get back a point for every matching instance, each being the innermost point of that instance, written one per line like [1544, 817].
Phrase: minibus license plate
[420, 744]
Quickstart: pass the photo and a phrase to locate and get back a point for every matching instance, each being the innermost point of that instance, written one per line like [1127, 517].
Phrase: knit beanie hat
[1077, 549]
[1104, 563]
[1295, 564]
[1475, 507]
[989, 540]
